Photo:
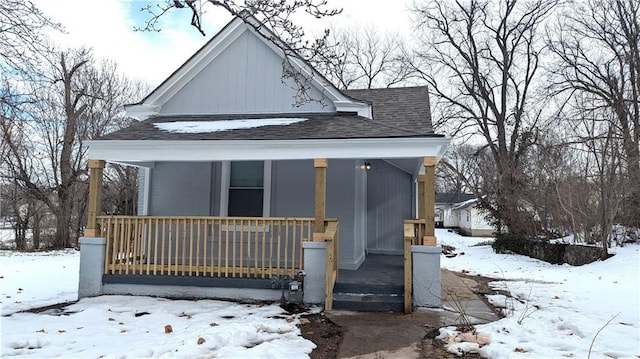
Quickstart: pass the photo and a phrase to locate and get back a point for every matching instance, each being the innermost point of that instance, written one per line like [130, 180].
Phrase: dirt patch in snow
[325, 334]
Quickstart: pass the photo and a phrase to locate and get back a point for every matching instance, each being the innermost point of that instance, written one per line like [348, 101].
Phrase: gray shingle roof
[453, 197]
[397, 112]
[404, 107]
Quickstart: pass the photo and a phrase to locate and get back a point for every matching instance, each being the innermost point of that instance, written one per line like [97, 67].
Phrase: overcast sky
[107, 27]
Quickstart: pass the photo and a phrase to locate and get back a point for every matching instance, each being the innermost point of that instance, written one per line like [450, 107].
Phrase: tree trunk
[61, 239]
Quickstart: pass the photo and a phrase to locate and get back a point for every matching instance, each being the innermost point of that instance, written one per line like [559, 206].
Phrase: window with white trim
[245, 189]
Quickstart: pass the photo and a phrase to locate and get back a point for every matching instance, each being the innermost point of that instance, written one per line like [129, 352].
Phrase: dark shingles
[317, 126]
[402, 107]
[397, 112]
[453, 197]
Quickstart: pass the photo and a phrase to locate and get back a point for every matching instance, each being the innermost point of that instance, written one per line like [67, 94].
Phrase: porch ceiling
[141, 151]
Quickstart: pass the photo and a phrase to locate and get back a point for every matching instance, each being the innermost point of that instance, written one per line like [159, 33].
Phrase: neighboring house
[242, 188]
[446, 217]
[471, 221]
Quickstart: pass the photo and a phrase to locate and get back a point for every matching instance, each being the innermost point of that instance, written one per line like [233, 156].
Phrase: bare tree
[481, 58]
[463, 169]
[363, 58]
[21, 39]
[46, 153]
[596, 44]
[21, 46]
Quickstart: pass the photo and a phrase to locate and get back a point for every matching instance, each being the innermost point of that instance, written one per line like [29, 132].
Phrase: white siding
[451, 217]
[472, 222]
[245, 78]
[478, 221]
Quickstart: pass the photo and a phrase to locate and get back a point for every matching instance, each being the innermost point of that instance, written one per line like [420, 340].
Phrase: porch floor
[377, 269]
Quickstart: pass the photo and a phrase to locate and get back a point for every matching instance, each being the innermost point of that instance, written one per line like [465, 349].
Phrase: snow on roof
[223, 125]
[465, 204]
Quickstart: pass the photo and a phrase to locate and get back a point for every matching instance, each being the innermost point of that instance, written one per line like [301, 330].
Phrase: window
[246, 189]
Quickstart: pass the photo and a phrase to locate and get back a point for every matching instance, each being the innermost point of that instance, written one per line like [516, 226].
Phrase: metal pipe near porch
[429, 200]
[95, 197]
[320, 164]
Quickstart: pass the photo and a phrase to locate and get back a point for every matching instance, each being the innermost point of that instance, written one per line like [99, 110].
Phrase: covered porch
[246, 252]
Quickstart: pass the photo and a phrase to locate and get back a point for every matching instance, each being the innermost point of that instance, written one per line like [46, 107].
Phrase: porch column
[320, 165]
[95, 198]
[429, 200]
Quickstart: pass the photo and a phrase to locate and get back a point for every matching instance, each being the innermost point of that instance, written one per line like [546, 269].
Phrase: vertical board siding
[292, 188]
[389, 203]
[141, 190]
[245, 78]
[181, 188]
[341, 200]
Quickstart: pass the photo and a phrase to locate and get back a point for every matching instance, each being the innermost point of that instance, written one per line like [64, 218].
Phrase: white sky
[106, 26]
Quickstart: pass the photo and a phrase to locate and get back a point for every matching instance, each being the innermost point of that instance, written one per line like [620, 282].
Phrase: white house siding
[451, 218]
[245, 78]
[472, 222]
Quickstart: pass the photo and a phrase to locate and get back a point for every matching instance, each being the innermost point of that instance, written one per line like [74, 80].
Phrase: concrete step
[345, 287]
[368, 302]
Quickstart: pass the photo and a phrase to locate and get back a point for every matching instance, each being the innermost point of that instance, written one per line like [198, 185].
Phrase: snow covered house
[245, 191]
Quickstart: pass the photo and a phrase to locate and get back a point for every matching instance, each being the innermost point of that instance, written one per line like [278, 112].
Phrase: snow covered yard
[555, 311]
[144, 327]
[130, 327]
[29, 280]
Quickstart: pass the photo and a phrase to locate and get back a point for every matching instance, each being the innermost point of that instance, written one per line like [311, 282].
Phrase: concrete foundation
[189, 292]
[92, 252]
[315, 264]
[427, 282]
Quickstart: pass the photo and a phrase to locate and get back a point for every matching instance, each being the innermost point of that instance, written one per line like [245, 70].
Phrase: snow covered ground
[29, 280]
[130, 327]
[556, 310]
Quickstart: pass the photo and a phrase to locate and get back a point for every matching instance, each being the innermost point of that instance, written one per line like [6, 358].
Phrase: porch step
[362, 288]
[366, 297]
[368, 302]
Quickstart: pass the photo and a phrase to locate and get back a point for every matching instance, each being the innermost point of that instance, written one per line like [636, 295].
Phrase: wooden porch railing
[331, 238]
[414, 234]
[234, 247]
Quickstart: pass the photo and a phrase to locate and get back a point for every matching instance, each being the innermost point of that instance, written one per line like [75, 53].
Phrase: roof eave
[236, 150]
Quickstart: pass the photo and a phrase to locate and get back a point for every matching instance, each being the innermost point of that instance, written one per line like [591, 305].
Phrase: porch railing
[331, 275]
[414, 234]
[233, 247]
